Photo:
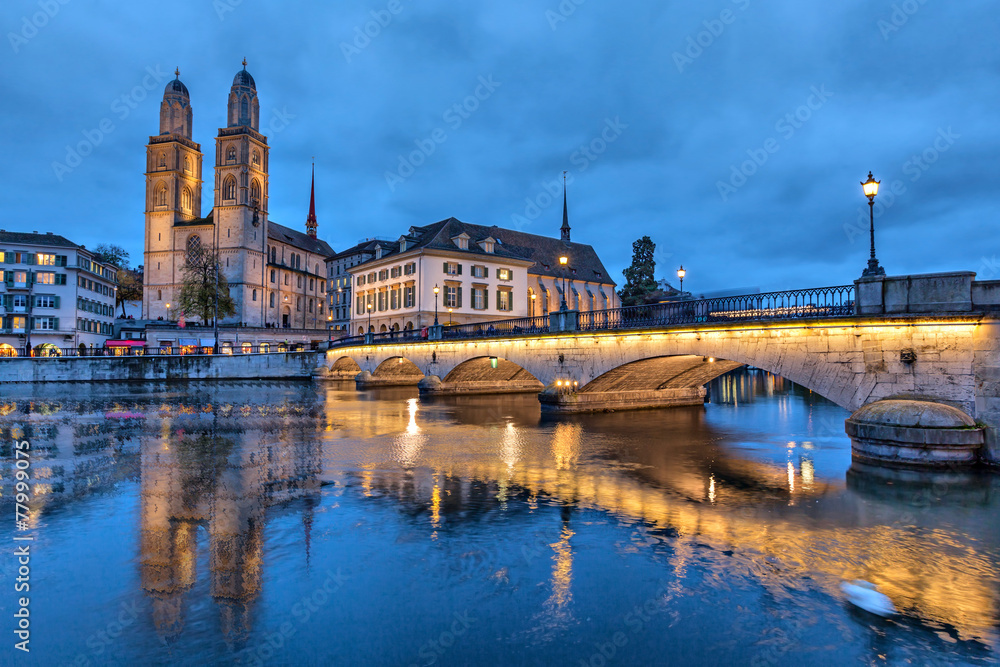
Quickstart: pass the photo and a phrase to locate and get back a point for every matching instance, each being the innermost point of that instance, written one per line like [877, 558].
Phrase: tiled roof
[31, 238]
[367, 247]
[542, 250]
[298, 239]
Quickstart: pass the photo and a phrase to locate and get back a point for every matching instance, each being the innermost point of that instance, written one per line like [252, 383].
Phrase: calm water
[301, 524]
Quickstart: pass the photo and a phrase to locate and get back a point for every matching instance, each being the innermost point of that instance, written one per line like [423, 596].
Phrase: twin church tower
[269, 267]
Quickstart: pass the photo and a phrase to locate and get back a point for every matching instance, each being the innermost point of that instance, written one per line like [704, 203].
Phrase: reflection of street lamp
[871, 189]
[563, 261]
[680, 276]
[533, 297]
[436, 290]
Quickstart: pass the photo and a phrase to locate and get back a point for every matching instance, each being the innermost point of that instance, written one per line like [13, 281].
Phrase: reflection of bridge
[932, 337]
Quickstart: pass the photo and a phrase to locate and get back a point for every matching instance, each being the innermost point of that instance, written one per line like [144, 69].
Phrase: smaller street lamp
[369, 317]
[563, 261]
[451, 321]
[533, 297]
[870, 188]
[680, 276]
[329, 328]
[436, 290]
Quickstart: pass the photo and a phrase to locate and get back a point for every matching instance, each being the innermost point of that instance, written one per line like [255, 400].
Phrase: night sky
[735, 133]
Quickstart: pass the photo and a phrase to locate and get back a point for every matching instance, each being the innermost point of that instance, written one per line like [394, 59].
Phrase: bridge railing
[792, 304]
[819, 302]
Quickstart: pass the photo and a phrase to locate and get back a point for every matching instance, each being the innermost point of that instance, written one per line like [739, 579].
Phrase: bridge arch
[657, 373]
[398, 368]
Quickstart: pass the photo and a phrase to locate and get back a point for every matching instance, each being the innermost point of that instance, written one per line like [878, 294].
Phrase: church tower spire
[311, 223]
[565, 225]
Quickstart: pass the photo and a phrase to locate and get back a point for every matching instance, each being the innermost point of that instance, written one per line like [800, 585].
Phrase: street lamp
[450, 320]
[533, 297]
[563, 261]
[680, 276]
[369, 317]
[168, 312]
[871, 189]
[436, 290]
[329, 328]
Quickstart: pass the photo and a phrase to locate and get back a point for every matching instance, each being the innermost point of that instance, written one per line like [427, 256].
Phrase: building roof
[542, 250]
[298, 239]
[34, 238]
[366, 248]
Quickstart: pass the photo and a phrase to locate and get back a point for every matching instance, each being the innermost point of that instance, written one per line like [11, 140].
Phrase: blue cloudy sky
[733, 132]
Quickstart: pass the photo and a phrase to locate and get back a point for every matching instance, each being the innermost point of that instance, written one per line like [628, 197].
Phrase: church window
[298, 303]
[254, 191]
[300, 282]
[272, 299]
[159, 295]
[162, 163]
[272, 275]
[187, 164]
[231, 154]
[274, 255]
[256, 159]
[244, 110]
[161, 195]
[186, 199]
[193, 247]
[286, 278]
[310, 305]
[229, 188]
[255, 295]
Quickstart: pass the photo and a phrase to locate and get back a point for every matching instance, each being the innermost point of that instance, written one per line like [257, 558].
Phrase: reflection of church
[219, 472]
[276, 274]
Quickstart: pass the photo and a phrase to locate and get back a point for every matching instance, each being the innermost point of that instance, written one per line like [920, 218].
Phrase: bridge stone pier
[917, 340]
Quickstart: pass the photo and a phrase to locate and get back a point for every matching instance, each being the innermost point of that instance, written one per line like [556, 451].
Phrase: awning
[125, 343]
[208, 342]
[187, 342]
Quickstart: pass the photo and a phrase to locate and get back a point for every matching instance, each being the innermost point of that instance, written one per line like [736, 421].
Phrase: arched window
[161, 195]
[272, 300]
[187, 164]
[298, 303]
[159, 295]
[244, 110]
[193, 246]
[256, 159]
[255, 295]
[274, 255]
[229, 188]
[255, 191]
[186, 199]
[231, 154]
[162, 163]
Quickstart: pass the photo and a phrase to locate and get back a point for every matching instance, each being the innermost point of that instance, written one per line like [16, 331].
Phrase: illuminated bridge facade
[850, 350]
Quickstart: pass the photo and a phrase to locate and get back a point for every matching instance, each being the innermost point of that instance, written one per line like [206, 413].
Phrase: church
[276, 274]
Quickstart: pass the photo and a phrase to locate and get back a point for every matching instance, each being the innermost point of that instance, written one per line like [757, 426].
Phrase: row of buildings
[288, 285]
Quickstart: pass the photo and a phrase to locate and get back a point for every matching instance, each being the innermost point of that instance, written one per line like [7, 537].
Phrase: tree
[199, 289]
[639, 280]
[109, 253]
[129, 287]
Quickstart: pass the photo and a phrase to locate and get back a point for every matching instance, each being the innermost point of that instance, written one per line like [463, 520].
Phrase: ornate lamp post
[680, 276]
[436, 291]
[871, 189]
[329, 329]
[369, 317]
[168, 312]
[563, 261]
[533, 297]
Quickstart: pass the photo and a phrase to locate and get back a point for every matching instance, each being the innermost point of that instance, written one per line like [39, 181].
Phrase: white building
[53, 295]
[482, 274]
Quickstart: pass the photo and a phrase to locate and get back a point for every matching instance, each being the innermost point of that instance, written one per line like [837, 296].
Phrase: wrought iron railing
[793, 304]
[820, 302]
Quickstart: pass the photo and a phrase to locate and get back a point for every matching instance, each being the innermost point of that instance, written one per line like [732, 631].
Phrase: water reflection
[244, 489]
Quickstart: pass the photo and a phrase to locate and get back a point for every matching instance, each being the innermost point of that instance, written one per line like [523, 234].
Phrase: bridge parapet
[954, 292]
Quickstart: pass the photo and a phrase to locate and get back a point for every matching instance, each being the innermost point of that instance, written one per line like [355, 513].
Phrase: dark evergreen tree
[639, 280]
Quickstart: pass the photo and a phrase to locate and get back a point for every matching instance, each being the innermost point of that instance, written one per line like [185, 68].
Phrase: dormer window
[461, 241]
[488, 244]
[378, 252]
[402, 244]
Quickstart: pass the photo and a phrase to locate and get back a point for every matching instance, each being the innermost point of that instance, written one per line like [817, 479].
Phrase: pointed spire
[311, 223]
[565, 225]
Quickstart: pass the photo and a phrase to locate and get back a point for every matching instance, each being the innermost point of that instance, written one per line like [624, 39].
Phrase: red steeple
[311, 220]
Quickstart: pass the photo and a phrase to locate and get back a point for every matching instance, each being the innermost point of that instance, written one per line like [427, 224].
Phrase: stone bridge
[891, 351]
